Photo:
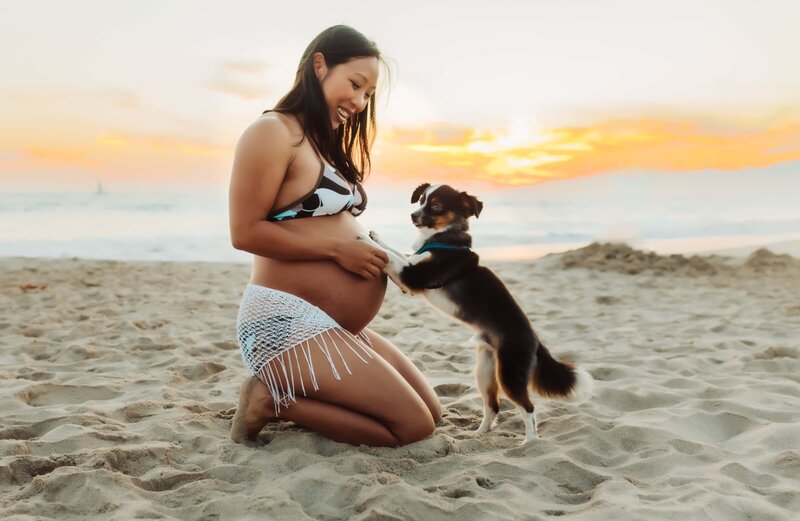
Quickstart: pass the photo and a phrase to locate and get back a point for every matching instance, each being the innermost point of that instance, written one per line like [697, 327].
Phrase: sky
[154, 95]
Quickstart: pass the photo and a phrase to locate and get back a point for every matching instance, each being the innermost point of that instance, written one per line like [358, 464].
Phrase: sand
[118, 382]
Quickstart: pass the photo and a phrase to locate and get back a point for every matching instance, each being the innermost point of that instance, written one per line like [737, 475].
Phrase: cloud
[518, 156]
[60, 156]
[125, 99]
[117, 97]
[437, 134]
[120, 153]
[172, 145]
[244, 67]
[242, 79]
[442, 152]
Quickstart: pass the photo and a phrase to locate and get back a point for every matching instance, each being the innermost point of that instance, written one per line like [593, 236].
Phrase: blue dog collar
[439, 246]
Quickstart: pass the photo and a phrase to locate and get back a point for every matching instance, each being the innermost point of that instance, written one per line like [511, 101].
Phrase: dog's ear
[418, 192]
[471, 204]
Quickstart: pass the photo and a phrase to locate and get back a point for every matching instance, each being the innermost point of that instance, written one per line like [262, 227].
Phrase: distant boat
[100, 189]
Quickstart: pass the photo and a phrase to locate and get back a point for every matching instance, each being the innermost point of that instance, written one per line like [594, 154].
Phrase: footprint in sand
[451, 389]
[225, 344]
[453, 493]
[777, 352]
[200, 371]
[32, 332]
[485, 483]
[50, 394]
[137, 411]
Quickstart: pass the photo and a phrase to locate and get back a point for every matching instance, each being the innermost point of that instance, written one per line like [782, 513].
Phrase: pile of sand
[625, 259]
[764, 261]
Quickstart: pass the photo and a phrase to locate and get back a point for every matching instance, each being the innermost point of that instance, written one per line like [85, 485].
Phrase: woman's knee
[414, 429]
[436, 411]
[408, 370]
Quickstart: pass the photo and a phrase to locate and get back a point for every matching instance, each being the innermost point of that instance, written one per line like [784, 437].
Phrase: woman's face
[347, 87]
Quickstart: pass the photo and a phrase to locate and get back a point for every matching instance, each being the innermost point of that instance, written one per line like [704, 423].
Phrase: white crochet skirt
[273, 326]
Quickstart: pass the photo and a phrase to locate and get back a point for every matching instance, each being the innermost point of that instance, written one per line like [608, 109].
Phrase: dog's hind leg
[487, 383]
[529, 417]
[514, 376]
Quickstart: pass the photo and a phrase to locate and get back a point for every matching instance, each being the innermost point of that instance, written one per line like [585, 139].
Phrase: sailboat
[100, 189]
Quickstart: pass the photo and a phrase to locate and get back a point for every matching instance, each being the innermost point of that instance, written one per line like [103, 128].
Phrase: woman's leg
[371, 404]
[407, 370]
[256, 409]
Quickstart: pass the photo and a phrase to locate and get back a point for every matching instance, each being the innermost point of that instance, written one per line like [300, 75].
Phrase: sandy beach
[118, 382]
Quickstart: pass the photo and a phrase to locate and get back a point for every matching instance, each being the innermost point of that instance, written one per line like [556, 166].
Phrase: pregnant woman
[295, 192]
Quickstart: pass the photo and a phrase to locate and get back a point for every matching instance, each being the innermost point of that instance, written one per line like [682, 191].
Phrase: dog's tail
[559, 379]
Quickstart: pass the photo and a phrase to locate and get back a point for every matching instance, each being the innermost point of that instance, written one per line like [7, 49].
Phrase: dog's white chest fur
[439, 299]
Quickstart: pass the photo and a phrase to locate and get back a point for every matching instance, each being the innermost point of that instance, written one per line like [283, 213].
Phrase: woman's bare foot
[255, 410]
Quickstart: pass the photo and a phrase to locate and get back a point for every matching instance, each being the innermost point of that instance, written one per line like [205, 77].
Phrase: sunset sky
[154, 95]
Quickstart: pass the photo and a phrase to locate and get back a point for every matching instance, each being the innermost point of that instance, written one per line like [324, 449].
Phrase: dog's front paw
[374, 235]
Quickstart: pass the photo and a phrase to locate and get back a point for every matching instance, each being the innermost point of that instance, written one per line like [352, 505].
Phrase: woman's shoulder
[279, 124]
[269, 133]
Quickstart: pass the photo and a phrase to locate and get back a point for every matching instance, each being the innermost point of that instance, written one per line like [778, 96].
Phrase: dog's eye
[436, 207]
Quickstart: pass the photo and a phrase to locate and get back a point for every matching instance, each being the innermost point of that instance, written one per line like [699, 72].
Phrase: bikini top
[331, 195]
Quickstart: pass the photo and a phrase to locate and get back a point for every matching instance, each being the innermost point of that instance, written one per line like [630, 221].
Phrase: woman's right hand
[360, 258]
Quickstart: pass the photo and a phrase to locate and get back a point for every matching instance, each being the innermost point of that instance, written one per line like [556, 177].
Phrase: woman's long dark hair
[347, 148]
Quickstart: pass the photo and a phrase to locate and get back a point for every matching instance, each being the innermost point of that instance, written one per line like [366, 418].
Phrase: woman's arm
[262, 157]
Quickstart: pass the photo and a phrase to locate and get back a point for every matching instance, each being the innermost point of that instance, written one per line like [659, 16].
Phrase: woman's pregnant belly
[352, 301]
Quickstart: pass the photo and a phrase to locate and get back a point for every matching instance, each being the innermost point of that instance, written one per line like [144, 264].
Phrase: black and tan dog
[446, 272]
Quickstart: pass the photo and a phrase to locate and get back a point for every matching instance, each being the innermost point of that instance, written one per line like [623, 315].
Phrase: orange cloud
[167, 145]
[60, 156]
[125, 146]
[518, 156]
[127, 158]
[434, 153]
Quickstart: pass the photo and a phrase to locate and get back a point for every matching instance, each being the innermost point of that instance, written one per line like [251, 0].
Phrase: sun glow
[517, 155]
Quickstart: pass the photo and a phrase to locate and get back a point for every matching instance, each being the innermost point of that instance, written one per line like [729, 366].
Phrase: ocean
[515, 223]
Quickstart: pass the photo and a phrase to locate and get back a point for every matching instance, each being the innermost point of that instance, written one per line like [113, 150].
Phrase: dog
[445, 270]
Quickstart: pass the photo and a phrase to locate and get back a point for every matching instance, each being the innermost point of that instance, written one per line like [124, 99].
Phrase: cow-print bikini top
[332, 194]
